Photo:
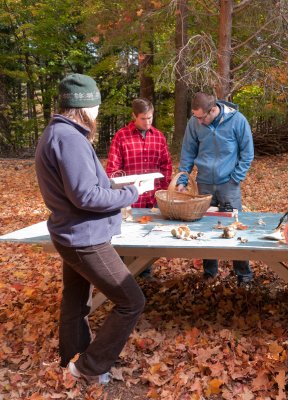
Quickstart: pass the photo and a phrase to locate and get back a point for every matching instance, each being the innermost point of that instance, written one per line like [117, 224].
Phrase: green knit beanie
[78, 91]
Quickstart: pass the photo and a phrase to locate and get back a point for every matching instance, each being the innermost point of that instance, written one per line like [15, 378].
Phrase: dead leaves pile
[218, 341]
[264, 187]
[193, 341]
[21, 202]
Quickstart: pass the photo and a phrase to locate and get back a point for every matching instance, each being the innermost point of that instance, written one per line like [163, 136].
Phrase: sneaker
[102, 379]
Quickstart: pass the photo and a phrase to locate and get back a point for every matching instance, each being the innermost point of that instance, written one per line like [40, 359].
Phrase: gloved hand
[181, 188]
[140, 189]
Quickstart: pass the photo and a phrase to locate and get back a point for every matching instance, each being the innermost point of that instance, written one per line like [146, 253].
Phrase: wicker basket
[187, 206]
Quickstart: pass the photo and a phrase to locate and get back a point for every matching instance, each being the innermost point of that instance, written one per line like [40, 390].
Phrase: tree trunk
[5, 120]
[32, 113]
[146, 81]
[181, 89]
[45, 85]
[223, 89]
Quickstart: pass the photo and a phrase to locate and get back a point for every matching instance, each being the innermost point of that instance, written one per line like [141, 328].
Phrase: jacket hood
[229, 109]
[229, 104]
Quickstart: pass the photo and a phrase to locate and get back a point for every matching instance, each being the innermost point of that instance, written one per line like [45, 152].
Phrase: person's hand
[181, 188]
[138, 185]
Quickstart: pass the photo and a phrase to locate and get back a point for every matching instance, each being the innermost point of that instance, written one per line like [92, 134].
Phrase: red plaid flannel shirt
[132, 154]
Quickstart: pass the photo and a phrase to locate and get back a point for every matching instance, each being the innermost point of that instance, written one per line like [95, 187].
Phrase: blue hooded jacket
[220, 153]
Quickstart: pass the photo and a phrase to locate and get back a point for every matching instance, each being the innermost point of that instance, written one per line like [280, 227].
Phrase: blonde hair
[80, 116]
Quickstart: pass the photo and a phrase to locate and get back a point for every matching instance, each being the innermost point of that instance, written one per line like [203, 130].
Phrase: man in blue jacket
[218, 141]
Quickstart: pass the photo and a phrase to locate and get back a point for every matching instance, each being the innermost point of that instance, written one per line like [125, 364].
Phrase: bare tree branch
[238, 46]
[240, 6]
[255, 52]
[281, 49]
[199, 68]
[235, 85]
[205, 4]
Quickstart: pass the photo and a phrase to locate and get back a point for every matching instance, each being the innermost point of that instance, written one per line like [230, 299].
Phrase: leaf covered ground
[193, 341]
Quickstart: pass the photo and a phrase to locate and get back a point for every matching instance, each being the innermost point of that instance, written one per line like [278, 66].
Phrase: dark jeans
[228, 192]
[83, 268]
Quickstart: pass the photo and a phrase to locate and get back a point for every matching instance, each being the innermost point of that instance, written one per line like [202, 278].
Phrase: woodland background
[165, 50]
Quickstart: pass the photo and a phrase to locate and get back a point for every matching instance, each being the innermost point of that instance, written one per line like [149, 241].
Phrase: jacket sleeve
[86, 185]
[246, 150]
[115, 158]
[189, 151]
[165, 166]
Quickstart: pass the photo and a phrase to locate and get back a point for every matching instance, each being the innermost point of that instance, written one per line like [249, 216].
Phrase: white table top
[157, 232]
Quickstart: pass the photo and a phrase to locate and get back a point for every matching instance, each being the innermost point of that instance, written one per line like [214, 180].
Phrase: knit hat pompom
[78, 91]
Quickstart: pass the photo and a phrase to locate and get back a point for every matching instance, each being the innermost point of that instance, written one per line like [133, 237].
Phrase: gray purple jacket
[85, 211]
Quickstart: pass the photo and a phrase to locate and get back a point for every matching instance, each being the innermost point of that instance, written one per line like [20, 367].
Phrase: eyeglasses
[203, 116]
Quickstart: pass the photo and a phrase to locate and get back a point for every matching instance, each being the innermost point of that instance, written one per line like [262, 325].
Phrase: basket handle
[192, 185]
[118, 173]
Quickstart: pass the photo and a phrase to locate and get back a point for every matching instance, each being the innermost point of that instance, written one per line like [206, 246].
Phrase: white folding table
[142, 244]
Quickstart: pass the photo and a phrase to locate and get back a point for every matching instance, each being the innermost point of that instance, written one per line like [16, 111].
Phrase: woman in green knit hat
[85, 214]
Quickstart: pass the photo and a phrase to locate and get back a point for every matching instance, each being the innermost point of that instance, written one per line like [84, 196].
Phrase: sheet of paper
[278, 235]
[147, 179]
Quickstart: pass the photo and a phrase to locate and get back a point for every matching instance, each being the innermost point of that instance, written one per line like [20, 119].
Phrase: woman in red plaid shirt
[139, 148]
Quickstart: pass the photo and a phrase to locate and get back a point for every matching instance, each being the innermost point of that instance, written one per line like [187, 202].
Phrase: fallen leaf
[214, 387]
[144, 219]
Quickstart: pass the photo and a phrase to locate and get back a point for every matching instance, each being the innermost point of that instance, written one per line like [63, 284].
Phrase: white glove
[181, 188]
[138, 185]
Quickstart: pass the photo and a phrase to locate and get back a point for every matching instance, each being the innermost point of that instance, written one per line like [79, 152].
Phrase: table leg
[139, 264]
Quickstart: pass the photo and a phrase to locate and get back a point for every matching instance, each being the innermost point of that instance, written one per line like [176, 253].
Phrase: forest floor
[193, 341]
